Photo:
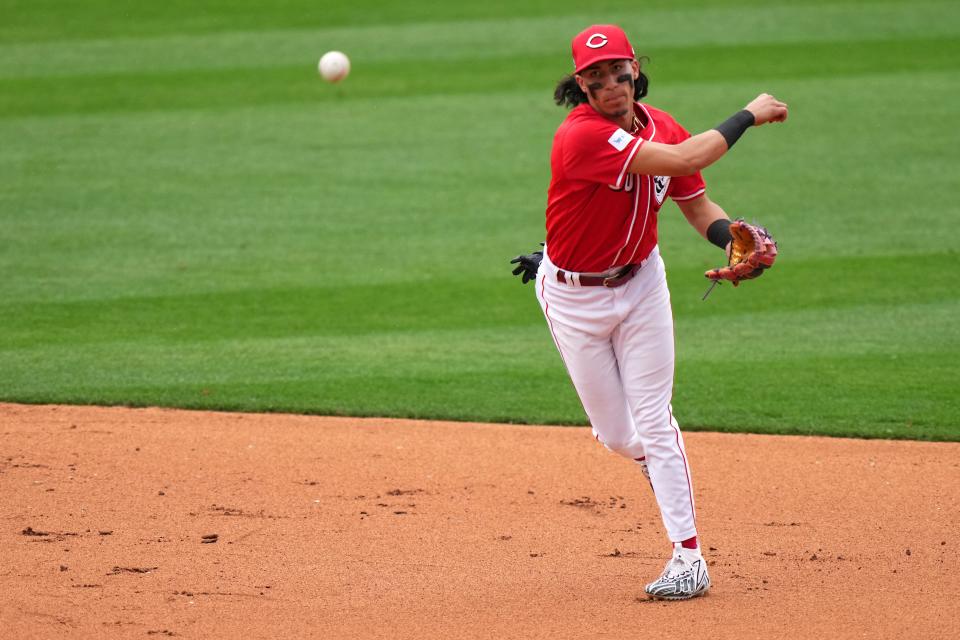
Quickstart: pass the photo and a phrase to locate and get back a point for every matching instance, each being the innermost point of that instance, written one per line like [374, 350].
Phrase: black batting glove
[527, 265]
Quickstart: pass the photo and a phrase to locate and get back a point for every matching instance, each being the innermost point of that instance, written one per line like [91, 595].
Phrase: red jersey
[598, 215]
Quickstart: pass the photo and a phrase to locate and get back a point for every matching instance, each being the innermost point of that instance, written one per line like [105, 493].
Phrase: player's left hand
[527, 264]
[752, 251]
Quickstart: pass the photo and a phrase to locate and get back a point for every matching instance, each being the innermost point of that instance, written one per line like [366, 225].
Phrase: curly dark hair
[568, 93]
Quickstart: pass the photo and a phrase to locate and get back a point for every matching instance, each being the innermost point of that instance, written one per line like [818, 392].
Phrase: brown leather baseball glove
[752, 250]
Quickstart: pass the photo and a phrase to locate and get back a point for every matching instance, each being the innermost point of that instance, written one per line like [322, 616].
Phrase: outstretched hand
[527, 265]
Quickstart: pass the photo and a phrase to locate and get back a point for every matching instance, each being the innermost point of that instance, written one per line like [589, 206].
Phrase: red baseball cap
[600, 42]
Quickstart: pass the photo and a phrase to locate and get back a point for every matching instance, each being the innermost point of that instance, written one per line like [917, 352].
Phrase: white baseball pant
[618, 347]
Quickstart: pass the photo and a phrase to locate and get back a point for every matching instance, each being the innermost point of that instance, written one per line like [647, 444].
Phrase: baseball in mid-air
[334, 66]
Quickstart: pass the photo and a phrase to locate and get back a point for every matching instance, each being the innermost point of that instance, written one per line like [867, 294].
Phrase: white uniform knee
[630, 447]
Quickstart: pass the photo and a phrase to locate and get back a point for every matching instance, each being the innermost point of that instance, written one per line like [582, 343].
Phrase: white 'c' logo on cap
[596, 41]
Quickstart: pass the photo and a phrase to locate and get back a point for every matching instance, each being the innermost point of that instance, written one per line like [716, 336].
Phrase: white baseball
[334, 66]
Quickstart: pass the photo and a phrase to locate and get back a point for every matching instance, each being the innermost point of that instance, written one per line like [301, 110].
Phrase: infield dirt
[155, 523]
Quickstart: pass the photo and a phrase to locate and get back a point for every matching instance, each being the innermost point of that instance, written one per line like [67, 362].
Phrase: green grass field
[190, 217]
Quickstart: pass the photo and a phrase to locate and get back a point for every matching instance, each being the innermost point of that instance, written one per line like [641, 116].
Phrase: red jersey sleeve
[685, 187]
[596, 150]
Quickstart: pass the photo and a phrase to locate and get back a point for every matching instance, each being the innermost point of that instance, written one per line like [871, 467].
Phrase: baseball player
[601, 282]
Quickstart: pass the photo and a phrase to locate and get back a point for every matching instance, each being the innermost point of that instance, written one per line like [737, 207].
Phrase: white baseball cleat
[685, 576]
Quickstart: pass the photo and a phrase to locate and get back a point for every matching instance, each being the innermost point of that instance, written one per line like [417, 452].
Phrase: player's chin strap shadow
[714, 284]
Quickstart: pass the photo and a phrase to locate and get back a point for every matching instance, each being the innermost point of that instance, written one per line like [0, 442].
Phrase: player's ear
[580, 82]
[636, 69]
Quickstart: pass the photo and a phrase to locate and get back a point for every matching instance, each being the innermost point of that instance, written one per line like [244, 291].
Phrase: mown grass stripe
[798, 396]
[459, 40]
[40, 20]
[232, 88]
[317, 311]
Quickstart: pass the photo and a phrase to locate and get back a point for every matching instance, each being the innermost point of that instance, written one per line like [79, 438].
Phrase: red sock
[689, 543]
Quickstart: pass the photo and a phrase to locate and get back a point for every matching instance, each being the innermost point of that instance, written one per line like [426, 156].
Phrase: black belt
[616, 280]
